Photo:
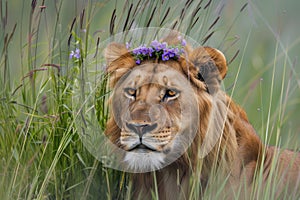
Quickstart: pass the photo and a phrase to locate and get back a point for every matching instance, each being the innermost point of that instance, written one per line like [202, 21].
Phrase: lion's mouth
[142, 148]
[149, 142]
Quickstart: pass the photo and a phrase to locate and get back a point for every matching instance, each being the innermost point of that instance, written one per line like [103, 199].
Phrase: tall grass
[42, 156]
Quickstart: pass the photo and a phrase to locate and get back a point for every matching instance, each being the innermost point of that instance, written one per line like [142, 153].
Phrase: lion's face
[157, 113]
[156, 106]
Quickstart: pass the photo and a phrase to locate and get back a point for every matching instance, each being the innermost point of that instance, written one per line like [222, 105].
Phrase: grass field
[42, 155]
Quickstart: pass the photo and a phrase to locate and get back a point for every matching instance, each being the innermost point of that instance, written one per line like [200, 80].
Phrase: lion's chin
[143, 162]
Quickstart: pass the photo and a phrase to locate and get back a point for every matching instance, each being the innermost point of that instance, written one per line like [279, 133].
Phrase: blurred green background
[264, 78]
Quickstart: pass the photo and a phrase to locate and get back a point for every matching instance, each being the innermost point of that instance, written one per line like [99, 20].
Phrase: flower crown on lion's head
[157, 50]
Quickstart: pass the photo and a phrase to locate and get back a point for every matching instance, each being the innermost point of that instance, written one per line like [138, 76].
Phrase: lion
[234, 151]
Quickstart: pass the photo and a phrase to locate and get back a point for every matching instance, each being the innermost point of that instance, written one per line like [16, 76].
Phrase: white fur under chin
[144, 162]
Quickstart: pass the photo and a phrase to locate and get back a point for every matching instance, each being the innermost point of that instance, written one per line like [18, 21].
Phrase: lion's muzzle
[141, 129]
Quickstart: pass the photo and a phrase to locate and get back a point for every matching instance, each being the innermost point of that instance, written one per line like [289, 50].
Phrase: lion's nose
[141, 129]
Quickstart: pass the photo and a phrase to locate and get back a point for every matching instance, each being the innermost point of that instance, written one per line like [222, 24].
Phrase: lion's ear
[114, 51]
[218, 57]
[211, 66]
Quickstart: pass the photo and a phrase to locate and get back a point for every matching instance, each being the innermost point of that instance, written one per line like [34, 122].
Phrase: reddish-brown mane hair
[238, 152]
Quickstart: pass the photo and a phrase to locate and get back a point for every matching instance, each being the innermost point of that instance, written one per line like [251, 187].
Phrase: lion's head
[156, 111]
[160, 108]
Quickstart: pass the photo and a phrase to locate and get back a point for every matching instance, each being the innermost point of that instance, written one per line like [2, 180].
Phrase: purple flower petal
[165, 57]
[138, 61]
[71, 54]
[155, 44]
[176, 51]
[128, 45]
[171, 55]
[164, 45]
[136, 51]
[144, 51]
[77, 53]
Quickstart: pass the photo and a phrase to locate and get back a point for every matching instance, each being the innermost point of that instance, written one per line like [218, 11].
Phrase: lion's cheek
[128, 140]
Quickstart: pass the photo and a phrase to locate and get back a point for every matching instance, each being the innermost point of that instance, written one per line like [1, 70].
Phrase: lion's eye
[170, 94]
[130, 92]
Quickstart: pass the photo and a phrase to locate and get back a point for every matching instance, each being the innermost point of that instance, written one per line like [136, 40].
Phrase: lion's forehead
[158, 74]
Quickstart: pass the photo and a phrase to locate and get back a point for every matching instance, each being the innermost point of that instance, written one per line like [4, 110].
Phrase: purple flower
[176, 51]
[183, 41]
[136, 51]
[158, 46]
[128, 45]
[157, 50]
[150, 51]
[173, 52]
[71, 54]
[163, 45]
[171, 55]
[165, 56]
[75, 54]
[144, 50]
[155, 44]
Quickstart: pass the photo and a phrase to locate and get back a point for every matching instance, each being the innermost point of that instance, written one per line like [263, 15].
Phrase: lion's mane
[238, 153]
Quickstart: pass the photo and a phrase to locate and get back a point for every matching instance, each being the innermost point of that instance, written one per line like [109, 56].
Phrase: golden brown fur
[237, 154]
